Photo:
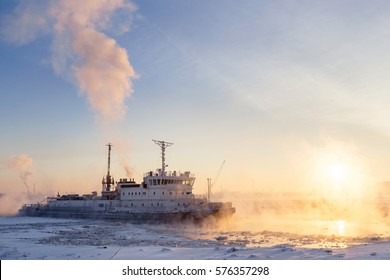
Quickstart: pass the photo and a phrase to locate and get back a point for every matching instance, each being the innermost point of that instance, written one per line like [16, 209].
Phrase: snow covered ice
[26, 238]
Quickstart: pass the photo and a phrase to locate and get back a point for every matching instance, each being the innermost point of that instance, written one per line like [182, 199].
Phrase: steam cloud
[23, 165]
[11, 201]
[80, 50]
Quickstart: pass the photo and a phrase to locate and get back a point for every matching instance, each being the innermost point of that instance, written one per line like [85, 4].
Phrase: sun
[341, 178]
[337, 172]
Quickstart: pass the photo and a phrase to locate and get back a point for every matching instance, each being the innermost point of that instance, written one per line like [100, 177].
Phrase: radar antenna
[163, 145]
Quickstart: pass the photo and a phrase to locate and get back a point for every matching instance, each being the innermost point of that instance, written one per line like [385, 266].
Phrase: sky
[277, 95]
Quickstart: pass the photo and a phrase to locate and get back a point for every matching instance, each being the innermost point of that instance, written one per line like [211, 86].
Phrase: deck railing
[186, 174]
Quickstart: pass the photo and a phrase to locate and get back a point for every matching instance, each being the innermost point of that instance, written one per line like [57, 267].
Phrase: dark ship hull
[35, 210]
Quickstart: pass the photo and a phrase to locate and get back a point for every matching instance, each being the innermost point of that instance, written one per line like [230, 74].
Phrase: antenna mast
[163, 145]
[109, 158]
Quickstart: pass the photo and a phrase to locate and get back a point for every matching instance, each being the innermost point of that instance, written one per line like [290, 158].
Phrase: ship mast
[108, 180]
[163, 145]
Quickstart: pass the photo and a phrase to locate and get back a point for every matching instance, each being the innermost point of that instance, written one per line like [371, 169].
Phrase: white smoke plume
[23, 165]
[12, 199]
[80, 49]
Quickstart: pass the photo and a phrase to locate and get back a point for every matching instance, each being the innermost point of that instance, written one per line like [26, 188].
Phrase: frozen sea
[240, 238]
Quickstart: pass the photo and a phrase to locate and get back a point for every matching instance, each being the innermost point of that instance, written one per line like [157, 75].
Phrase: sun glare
[341, 227]
[337, 172]
[339, 176]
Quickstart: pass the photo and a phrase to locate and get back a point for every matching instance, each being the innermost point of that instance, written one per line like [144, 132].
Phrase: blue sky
[280, 90]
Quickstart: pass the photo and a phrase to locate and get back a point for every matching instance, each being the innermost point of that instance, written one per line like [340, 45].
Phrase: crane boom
[211, 183]
[218, 173]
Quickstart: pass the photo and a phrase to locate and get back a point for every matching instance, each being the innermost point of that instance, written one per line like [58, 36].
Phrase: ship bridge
[171, 178]
[163, 178]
